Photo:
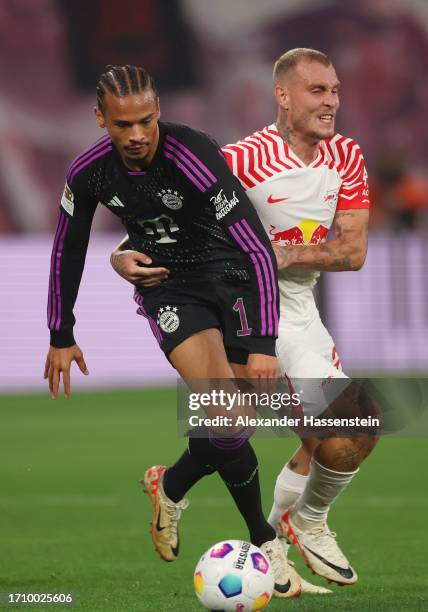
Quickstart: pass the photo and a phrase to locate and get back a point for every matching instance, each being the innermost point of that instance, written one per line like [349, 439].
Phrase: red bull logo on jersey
[308, 231]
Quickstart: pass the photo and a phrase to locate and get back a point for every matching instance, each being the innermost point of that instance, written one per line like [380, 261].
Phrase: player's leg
[289, 486]
[291, 480]
[299, 353]
[242, 479]
[203, 357]
[334, 463]
[200, 356]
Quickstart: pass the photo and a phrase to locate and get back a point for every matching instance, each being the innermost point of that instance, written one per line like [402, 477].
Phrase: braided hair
[122, 81]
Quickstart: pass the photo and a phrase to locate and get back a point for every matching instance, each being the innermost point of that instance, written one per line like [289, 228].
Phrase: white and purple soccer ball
[234, 575]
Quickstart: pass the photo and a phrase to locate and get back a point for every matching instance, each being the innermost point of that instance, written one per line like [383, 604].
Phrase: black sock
[239, 471]
[181, 477]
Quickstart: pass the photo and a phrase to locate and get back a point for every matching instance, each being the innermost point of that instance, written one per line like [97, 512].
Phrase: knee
[344, 454]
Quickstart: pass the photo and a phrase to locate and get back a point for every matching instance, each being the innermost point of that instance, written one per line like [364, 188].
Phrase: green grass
[73, 517]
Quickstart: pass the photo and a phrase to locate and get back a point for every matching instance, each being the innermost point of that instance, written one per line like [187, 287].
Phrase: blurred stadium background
[212, 62]
[70, 507]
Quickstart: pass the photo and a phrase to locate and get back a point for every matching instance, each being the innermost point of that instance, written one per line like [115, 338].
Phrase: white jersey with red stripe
[297, 203]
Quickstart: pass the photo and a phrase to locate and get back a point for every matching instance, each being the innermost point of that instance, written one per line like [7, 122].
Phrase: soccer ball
[233, 575]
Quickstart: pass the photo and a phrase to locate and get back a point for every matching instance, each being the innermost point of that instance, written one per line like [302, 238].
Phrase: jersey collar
[290, 154]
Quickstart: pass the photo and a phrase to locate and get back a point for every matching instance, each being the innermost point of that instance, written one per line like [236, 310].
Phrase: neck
[306, 149]
[136, 165]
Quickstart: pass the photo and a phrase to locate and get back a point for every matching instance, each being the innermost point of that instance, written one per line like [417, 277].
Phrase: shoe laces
[174, 512]
[276, 557]
[323, 535]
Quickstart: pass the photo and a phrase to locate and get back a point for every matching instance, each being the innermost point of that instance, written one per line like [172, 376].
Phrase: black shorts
[176, 311]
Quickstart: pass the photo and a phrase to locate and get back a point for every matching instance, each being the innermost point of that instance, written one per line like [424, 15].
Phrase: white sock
[322, 488]
[288, 488]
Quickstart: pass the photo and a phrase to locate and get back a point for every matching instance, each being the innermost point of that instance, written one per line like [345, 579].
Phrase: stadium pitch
[74, 517]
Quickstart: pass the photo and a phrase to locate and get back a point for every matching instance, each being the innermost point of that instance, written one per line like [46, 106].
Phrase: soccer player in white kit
[303, 179]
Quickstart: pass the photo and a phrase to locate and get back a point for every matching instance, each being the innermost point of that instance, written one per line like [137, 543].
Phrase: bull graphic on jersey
[307, 231]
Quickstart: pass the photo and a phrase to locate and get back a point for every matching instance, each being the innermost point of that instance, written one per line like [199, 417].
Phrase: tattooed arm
[347, 251]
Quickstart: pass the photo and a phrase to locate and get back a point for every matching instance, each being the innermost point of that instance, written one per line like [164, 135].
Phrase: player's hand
[284, 256]
[59, 360]
[132, 266]
[262, 366]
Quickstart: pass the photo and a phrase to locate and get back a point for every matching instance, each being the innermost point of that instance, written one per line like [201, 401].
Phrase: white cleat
[287, 580]
[308, 587]
[318, 546]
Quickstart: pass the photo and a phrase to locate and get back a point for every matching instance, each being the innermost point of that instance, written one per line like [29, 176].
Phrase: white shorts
[307, 356]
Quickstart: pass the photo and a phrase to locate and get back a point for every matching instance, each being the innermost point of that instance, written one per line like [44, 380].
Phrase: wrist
[262, 345]
[62, 338]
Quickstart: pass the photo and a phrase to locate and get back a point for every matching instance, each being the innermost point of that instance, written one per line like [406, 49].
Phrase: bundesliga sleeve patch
[67, 200]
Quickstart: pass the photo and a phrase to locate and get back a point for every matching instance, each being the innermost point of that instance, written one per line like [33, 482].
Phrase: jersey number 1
[240, 309]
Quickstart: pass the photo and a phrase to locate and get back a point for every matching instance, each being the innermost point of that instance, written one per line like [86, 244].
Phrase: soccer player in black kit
[216, 314]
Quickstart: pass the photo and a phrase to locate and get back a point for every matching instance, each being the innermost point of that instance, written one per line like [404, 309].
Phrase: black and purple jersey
[186, 211]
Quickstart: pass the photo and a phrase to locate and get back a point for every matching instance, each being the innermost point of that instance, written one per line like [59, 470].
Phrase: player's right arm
[67, 261]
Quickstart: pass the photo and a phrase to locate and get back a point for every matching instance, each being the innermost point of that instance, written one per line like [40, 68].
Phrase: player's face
[311, 99]
[132, 122]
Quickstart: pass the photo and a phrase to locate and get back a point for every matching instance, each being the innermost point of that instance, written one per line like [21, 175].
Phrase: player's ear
[281, 96]
[158, 110]
[99, 117]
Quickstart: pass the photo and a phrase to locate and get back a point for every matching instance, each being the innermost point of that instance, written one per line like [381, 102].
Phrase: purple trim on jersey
[57, 275]
[52, 310]
[251, 239]
[271, 270]
[253, 258]
[61, 221]
[185, 150]
[189, 164]
[86, 162]
[137, 173]
[186, 172]
[256, 256]
[55, 318]
[142, 311]
[228, 443]
[87, 152]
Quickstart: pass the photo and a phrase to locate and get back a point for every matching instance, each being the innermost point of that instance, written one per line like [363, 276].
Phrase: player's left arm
[346, 251]
[134, 266]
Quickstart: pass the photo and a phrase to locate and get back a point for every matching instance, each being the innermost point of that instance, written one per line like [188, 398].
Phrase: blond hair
[290, 59]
